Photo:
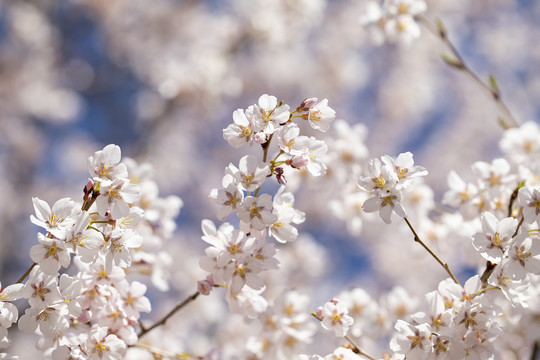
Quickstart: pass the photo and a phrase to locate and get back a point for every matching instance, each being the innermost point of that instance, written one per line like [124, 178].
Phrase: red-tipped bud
[279, 176]
[307, 104]
[298, 161]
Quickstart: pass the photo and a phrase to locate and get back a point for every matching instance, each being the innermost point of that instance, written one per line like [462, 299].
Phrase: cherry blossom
[57, 220]
[268, 115]
[333, 316]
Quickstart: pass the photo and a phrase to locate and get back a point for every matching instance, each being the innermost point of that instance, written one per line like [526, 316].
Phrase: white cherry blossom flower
[229, 198]
[411, 341]
[8, 311]
[462, 195]
[402, 29]
[241, 131]
[104, 346]
[373, 18]
[118, 245]
[521, 144]
[404, 167]
[229, 242]
[321, 115]
[493, 175]
[316, 151]
[385, 203]
[516, 291]
[333, 316]
[493, 242]
[105, 164]
[250, 173]
[245, 272]
[70, 288]
[57, 220]
[116, 196]
[256, 213]
[529, 199]
[83, 240]
[523, 257]
[380, 178]
[287, 136]
[248, 302]
[41, 289]
[267, 115]
[282, 230]
[50, 254]
[50, 320]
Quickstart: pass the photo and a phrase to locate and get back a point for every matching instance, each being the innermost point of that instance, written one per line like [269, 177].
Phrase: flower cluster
[394, 20]
[94, 313]
[500, 213]
[461, 323]
[237, 257]
[386, 181]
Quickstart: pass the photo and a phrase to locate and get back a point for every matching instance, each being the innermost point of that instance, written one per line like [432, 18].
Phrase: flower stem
[357, 349]
[418, 240]
[26, 273]
[179, 306]
[265, 147]
[487, 272]
[491, 88]
[518, 226]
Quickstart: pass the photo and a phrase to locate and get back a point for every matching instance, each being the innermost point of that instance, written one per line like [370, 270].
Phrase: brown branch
[26, 273]
[456, 61]
[418, 240]
[178, 307]
[357, 349]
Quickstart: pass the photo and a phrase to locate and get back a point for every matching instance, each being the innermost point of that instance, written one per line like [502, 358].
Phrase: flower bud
[319, 313]
[307, 104]
[88, 189]
[279, 176]
[298, 161]
[260, 137]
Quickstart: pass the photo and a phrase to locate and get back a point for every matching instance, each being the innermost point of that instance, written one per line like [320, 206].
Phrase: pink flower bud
[204, 287]
[307, 104]
[260, 137]
[85, 317]
[319, 313]
[279, 176]
[298, 161]
[88, 189]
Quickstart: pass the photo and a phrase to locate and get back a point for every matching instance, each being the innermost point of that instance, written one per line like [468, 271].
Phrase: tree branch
[179, 306]
[418, 240]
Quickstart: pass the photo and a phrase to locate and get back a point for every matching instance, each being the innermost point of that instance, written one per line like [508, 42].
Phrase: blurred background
[161, 79]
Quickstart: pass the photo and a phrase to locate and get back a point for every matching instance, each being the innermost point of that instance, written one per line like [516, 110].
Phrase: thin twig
[265, 147]
[26, 273]
[418, 240]
[179, 306]
[517, 228]
[357, 348]
[491, 88]
[487, 272]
